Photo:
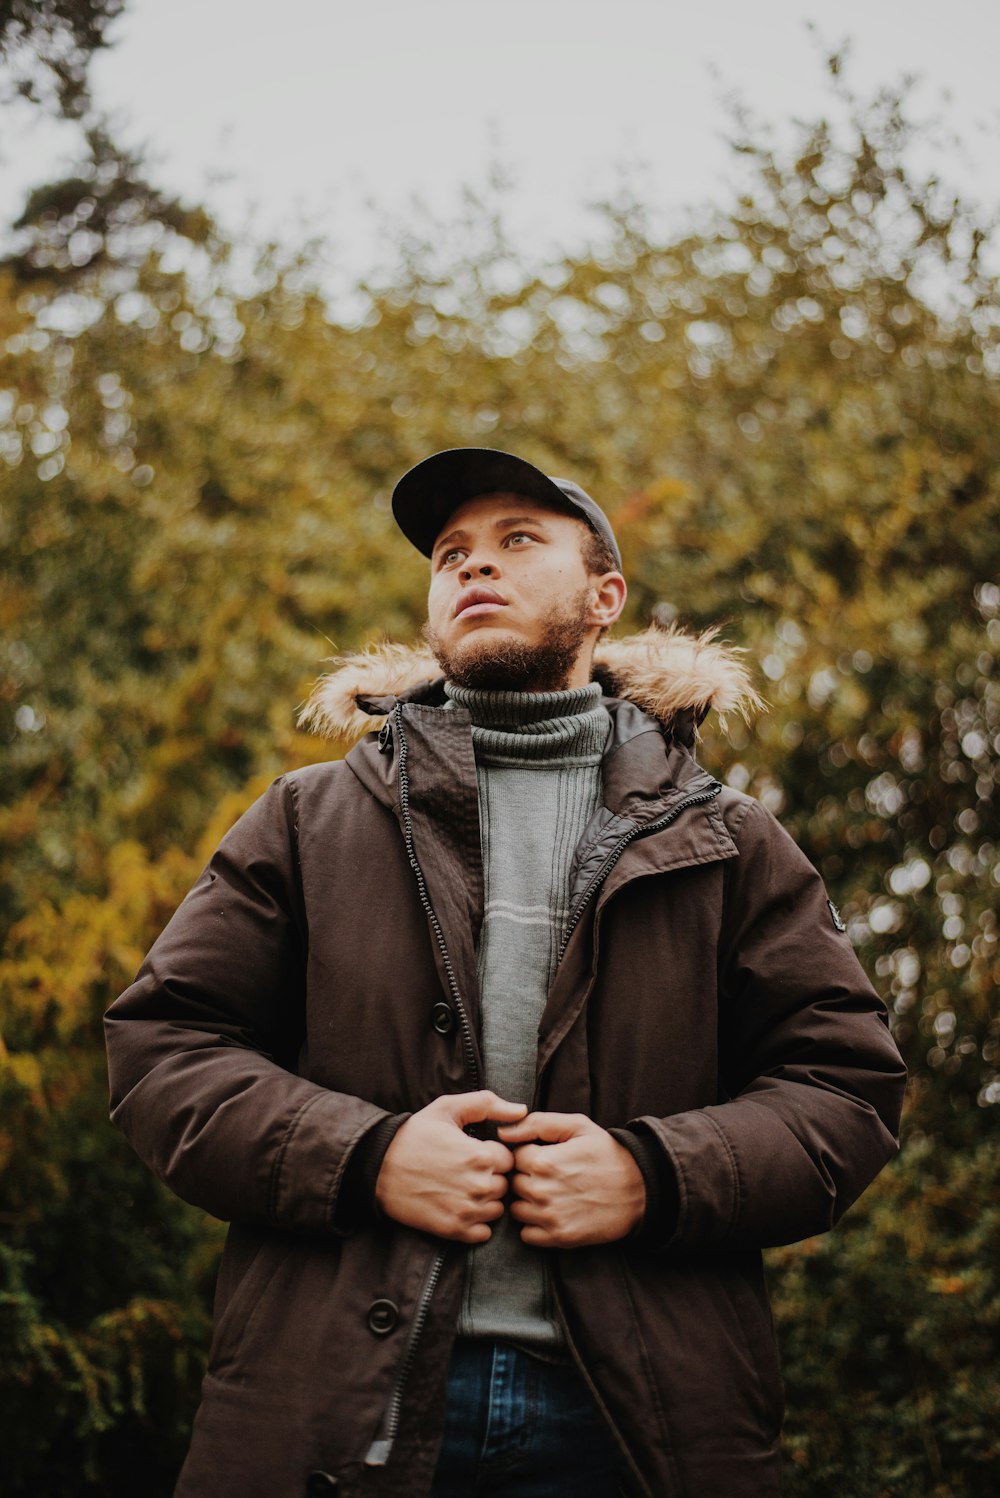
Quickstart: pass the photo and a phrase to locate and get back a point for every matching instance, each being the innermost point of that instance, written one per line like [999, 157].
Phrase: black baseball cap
[427, 494]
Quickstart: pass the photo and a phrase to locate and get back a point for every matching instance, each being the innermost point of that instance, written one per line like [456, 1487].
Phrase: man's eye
[518, 536]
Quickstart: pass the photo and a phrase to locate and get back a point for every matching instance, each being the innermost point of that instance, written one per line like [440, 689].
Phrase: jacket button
[382, 1317]
[321, 1485]
[443, 1018]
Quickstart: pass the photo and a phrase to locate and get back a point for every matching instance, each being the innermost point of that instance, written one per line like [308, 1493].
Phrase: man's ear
[610, 593]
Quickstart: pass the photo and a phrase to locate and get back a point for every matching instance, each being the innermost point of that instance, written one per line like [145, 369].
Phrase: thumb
[475, 1107]
[547, 1128]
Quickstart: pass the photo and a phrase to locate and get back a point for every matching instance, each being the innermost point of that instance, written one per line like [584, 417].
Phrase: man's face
[510, 598]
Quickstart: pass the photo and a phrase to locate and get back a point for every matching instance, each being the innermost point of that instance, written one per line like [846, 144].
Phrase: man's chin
[499, 660]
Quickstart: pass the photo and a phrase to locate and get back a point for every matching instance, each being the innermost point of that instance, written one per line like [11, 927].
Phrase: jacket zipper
[381, 1447]
[709, 794]
[404, 808]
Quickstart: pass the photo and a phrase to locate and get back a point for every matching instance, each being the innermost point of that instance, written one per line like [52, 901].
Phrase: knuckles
[533, 1159]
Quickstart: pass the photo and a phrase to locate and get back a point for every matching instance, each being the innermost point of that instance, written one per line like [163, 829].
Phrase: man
[505, 1044]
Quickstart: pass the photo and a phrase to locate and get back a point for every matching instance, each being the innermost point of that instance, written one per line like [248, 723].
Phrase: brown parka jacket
[321, 976]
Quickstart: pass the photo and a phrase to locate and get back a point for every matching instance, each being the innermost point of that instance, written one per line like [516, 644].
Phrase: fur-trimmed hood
[670, 674]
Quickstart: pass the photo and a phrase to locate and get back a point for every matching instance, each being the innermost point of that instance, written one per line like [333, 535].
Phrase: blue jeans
[520, 1428]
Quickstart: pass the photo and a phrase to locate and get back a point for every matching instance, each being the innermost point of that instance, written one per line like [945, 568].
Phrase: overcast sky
[306, 108]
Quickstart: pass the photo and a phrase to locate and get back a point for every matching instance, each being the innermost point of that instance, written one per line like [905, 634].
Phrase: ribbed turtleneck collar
[522, 727]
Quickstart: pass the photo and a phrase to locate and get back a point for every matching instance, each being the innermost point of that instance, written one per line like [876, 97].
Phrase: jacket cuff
[663, 1198]
[356, 1206]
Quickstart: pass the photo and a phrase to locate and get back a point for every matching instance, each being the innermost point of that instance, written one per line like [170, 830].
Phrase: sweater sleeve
[356, 1203]
[659, 1218]
[813, 1082]
[202, 1047]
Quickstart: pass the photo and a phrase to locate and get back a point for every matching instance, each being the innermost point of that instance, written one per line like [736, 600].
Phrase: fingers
[475, 1107]
[479, 1233]
[539, 1237]
[544, 1223]
[539, 1225]
[553, 1128]
[469, 1221]
[529, 1188]
[587, 1189]
[495, 1189]
[474, 1224]
[533, 1160]
[497, 1157]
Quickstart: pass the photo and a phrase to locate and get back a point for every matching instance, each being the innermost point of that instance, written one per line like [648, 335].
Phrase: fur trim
[664, 671]
[382, 670]
[668, 671]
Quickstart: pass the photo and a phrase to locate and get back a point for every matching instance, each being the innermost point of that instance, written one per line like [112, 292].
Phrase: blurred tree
[106, 212]
[792, 415]
[888, 1330]
[106, 215]
[104, 1278]
[46, 47]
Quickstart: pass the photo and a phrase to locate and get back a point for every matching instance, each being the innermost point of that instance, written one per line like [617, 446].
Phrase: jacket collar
[674, 677]
[643, 769]
[659, 686]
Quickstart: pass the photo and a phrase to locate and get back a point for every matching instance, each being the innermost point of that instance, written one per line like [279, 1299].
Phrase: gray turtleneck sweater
[538, 762]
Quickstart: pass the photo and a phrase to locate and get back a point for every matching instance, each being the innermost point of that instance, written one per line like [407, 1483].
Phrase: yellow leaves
[663, 494]
[23, 1069]
[18, 822]
[64, 964]
[228, 811]
[299, 749]
[14, 604]
[818, 585]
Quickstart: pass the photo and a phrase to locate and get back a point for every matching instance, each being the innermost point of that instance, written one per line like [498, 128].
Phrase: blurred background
[736, 276]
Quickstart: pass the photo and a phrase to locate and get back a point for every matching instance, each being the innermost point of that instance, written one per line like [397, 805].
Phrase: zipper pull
[385, 738]
[379, 1452]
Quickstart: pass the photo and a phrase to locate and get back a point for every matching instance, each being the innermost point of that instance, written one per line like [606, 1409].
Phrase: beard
[488, 663]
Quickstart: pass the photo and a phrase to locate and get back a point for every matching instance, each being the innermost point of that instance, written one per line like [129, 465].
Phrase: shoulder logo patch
[835, 916]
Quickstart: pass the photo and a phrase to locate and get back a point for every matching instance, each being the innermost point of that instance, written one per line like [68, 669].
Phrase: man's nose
[475, 568]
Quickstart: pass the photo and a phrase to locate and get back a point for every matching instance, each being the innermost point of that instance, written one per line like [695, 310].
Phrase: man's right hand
[437, 1178]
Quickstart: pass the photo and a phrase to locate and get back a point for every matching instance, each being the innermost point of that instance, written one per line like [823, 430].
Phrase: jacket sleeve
[813, 1081]
[202, 1047]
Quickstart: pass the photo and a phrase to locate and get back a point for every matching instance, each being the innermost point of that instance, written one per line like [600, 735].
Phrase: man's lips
[478, 601]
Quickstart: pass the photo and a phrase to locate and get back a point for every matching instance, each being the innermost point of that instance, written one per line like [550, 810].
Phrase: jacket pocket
[705, 1323]
[745, 1287]
[244, 1299]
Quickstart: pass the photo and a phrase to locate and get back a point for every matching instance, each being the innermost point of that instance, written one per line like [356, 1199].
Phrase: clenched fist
[579, 1186]
[436, 1178]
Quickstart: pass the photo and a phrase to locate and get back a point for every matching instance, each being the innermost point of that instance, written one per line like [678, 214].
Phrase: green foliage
[792, 415]
[88, 1407]
[889, 1331]
[104, 1278]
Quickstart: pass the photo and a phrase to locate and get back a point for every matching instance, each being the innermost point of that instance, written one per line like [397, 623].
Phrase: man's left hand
[574, 1183]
